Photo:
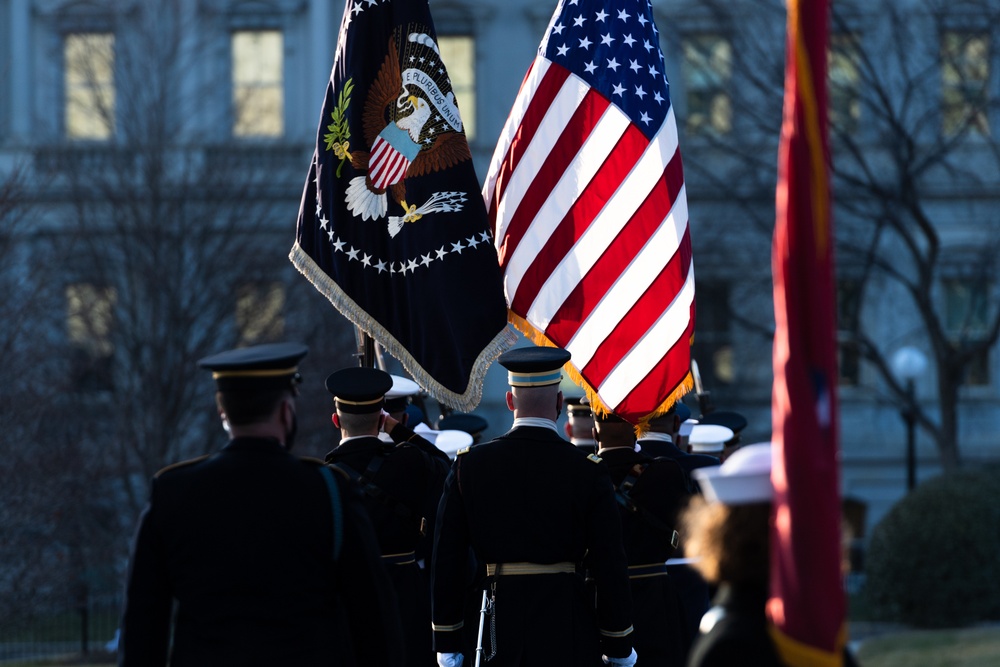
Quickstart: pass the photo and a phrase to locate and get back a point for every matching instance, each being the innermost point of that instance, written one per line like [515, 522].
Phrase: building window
[458, 53]
[845, 82]
[89, 325]
[713, 349]
[706, 70]
[89, 85]
[259, 316]
[848, 323]
[966, 319]
[258, 83]
[965, 76]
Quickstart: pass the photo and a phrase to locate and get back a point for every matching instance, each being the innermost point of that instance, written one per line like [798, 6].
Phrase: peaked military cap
[534, 366]
[359, 390]
[731, 420]
[461, 421]
[396, 399]
[578, 406]
[256, 368]
[709, 438]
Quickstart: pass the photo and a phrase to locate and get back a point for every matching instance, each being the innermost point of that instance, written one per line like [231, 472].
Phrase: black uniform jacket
[692, 589]
[663, 449]
[402, 486]
[734, 631]
[244, 541]
[649, 513]
[530, 497]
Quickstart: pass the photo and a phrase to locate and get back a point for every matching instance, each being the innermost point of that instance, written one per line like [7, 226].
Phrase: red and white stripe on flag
[591, 224]
[387, 166]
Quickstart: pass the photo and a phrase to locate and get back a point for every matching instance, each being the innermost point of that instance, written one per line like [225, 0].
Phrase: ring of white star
[411, 264]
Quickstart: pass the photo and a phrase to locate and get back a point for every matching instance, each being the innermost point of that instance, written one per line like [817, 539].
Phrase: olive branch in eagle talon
[340, 131]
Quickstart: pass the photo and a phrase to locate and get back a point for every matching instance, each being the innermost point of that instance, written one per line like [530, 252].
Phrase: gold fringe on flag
[466, 401]
[596, 404]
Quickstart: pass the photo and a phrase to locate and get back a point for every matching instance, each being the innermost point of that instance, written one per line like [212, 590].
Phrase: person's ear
[510, 401]
[559, 403]
[336, 420]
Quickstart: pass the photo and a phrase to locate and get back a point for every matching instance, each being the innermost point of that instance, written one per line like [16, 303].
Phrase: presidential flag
[391, 228]
[586, 196]
[807, 605]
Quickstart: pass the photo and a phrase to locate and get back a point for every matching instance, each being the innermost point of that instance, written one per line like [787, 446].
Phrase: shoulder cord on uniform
[335, 507]
[623, 494]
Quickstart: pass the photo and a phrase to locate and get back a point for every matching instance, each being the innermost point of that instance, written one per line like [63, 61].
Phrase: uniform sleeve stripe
[447, 628]
[623, 633]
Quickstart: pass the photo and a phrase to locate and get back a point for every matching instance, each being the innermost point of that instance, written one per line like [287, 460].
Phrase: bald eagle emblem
[411, 122]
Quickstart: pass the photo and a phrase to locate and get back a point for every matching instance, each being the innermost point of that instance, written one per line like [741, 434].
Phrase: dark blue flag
[392, 227]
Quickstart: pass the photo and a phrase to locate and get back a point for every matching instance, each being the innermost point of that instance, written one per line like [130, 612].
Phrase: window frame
[65, 86]
[236, 30]
[972, 115]
[718, 91]
[469, 112]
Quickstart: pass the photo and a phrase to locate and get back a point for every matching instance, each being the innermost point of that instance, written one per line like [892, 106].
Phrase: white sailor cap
[744, 478]
[709, 438]
[448, 441]
[402, 389]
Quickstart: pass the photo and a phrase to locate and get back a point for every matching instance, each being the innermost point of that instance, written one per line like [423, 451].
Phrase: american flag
[587, 200]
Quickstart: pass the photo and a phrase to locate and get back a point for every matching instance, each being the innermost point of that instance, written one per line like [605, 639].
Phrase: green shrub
[934, 559]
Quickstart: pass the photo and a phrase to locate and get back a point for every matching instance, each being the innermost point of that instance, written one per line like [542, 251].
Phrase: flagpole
[366, 348]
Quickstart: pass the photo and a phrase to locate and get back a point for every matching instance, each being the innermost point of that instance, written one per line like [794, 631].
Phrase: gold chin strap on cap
[347, 402]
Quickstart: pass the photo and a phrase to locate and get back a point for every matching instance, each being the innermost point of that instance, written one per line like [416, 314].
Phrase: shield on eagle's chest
[392, 152]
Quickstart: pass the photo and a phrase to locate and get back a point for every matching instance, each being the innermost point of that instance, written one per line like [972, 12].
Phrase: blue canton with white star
[614, 46]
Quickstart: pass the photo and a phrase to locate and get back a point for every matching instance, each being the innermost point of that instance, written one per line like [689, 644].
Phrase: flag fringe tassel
[466, 401]
[596, 404]
[794, 652]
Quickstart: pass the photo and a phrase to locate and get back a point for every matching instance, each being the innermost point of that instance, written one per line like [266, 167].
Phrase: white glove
[452, 660]
[618, 662]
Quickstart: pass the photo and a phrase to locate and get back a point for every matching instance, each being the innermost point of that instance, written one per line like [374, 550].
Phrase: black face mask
[290, 433]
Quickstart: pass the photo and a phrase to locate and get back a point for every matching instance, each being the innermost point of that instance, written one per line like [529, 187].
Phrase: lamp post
[909, 363]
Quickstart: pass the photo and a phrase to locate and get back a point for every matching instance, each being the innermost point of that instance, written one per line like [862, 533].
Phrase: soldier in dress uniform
[659, 441]
[537, 512]
[580, 424]
[728, 531]
[271, 558]
[661, 438]
[650, 493]
[397, 428]
[402, 485]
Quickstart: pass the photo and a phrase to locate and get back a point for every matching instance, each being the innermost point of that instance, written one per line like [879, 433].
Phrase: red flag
[807, 606]
[586, 197]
